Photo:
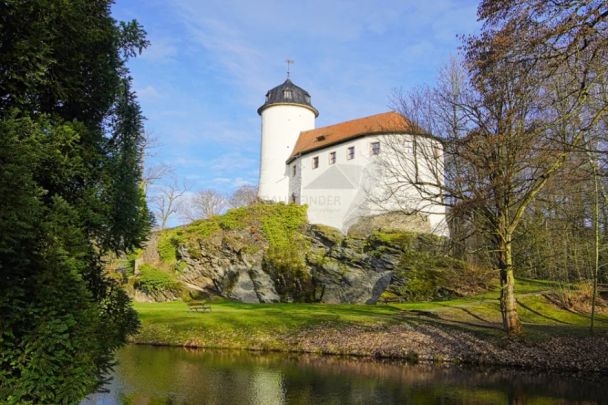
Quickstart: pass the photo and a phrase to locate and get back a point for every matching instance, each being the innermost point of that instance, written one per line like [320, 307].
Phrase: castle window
[293, 170]
[315, 162]
[375, 148]
[287, 94]
[350, 154]
[332, 158]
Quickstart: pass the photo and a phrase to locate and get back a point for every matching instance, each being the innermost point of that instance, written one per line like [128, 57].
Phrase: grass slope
[266, 326]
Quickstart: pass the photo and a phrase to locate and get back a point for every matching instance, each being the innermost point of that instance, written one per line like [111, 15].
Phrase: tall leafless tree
[243, 195]
[203, 204]
[506, 131]
[166, 200]
[153, 174]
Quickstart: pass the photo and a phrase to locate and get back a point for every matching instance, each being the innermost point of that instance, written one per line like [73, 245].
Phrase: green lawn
[263, 326]
[233, 324]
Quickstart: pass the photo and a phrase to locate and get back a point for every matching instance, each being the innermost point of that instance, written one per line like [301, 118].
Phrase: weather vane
[289, 63]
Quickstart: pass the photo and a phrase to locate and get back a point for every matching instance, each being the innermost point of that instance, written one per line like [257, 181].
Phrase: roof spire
[289, 62]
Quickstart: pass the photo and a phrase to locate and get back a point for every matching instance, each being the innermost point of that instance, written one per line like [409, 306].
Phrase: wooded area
[523, 124]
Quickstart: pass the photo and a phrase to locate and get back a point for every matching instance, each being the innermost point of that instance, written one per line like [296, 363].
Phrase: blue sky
[211, 62]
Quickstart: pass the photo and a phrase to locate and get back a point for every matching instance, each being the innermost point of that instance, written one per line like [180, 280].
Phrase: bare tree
[203, 204]
[504, 135]
[166, 200]
[524, 110]
[244, 195]
[154, 174]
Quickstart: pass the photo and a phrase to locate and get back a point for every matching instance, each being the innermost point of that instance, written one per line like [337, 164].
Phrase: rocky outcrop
[268, 253]
[337, 269]
[348, 269]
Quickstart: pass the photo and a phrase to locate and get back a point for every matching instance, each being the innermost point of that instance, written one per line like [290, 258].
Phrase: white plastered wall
[339, 194]
[281, 126]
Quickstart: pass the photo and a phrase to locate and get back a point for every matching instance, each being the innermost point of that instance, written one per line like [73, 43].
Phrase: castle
[334, 169]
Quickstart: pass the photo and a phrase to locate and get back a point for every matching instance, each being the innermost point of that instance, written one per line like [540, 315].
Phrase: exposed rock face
[337, 269]
[346, 269]
[263, 286]
[269, 253]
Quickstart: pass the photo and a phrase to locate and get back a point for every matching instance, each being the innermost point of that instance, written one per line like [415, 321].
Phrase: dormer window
[307, 98]
[267, 96]
[287, 94]
[320, 138]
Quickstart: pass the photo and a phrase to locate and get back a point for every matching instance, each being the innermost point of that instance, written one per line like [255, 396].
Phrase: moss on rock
[303, 262]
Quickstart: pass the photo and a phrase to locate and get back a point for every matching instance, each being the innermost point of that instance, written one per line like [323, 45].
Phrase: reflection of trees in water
[178, 376]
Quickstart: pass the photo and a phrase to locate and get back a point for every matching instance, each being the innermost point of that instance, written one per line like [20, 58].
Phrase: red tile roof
[388, 122]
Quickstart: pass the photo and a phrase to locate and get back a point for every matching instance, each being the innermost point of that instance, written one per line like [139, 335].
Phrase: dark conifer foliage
[71, 138]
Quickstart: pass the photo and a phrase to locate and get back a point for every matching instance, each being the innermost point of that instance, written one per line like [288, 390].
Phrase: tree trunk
[508, 305]
[596, 253]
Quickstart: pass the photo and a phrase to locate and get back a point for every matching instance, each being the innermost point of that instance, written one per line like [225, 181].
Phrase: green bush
[426, 272]
[152, 280]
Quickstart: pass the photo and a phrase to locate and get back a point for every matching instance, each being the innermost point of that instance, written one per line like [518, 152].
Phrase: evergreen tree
[70, 190]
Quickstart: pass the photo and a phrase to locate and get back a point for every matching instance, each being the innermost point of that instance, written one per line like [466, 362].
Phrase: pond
[160, 375]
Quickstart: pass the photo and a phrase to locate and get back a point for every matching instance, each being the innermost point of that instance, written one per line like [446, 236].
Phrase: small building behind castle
[339, 170]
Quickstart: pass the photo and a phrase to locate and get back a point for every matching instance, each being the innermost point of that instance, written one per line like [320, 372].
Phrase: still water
[155, 375]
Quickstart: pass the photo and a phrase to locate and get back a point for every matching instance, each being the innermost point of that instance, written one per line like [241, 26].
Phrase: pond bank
[461, 331]
[430, 344]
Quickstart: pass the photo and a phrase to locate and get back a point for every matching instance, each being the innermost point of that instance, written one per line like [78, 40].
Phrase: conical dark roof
[288, 93]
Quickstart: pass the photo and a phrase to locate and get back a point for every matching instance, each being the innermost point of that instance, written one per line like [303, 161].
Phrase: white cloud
[147, 93]
[349, 55]
[233, 182]
[231, 161]
[160, 50]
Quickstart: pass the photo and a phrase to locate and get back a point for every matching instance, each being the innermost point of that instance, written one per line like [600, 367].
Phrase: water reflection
[152, 375]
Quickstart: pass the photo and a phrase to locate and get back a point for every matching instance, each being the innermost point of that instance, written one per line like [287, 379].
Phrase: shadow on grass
[551, 318]
[599, 317]
[470, 334]
[453, 324]
[474, 315]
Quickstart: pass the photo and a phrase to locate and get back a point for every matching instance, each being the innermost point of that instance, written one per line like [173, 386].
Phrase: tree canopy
[71, 139]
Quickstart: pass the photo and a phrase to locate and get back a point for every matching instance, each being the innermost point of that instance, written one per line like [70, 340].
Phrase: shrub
[426, 272]
[152, 280]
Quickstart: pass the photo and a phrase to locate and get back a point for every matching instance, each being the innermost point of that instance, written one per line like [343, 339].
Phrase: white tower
[286, 112]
